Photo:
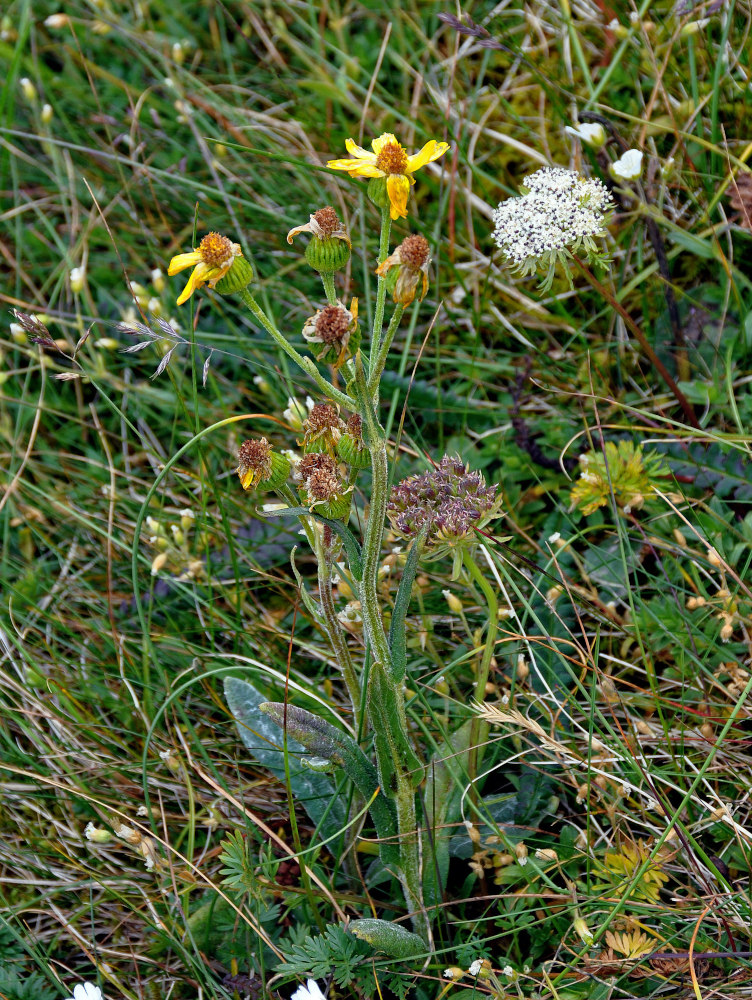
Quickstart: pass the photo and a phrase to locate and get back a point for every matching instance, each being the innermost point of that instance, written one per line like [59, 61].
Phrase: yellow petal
[378, 144]
[354, 309]
[344, 164]
[355, 150]
[196, 280]
[182, 261]
[431, 151]
[246, 478]
[398, 189]
[299, 229]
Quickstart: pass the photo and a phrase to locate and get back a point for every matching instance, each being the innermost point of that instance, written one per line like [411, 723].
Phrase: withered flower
[336, 329]
[406, 268]
[321, 429]
[260, 467]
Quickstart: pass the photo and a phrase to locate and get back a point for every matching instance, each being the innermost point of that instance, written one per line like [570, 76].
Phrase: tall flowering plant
[342, 435]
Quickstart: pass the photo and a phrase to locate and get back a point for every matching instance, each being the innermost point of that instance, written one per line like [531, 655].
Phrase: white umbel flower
[86, 991]
[559, 213]
[310, 991]
[592, 135]
[629, 166]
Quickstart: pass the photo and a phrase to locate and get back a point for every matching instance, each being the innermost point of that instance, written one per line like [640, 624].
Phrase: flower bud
[28, 89]
[46, 114]
[455, 604]
[56, 21]
[77, 278]
[407, 268]
[96, 834]
[350, 447]
[261, 468]
[157, 279]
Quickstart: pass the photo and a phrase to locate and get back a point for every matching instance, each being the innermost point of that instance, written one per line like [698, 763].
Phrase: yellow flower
[211, 261]
[390, 160]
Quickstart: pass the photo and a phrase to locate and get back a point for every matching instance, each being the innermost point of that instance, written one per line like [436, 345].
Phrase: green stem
[304, 363]
[378, 318]
[377, 365]
[327, 280]
[479, 729]
[337, 639]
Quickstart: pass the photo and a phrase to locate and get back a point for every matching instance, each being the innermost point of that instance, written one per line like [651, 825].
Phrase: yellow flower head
[391, 161]
[211, 261]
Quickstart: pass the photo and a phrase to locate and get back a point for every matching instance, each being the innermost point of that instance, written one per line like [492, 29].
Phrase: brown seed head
[322, 417]
[327, 221]
[216, 250]
[323, 484]
[392, 159]
[355, 426]
[332, 324]
[414, 252]
[255, 456]
[316, 463]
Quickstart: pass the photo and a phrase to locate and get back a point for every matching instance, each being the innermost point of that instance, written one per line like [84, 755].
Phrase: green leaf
[397, 637]
[323, 740]
[390, 938]
[315, 792]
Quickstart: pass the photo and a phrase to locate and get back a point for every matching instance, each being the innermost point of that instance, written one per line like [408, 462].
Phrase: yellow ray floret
[211, 260]
[389, 159]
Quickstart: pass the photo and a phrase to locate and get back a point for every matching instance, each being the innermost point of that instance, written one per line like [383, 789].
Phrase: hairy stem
[378, 363]
[378, 318]
[479, 729]
[337, 638]
[327, 281]
[304, 363]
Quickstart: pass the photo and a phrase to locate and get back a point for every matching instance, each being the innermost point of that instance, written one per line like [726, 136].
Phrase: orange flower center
[392, 159]
[216, 250]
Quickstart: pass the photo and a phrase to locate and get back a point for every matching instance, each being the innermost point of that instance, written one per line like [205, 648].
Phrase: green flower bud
[350, 447]
[237, 278]
[327, 256]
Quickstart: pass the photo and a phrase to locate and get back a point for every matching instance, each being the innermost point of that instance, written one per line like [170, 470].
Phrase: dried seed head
[260, 467]
[327, 221]
[414, 251]
[315, 462]
[255, 457]
[323, 484]
[333, 324]
[354, 426]
[392, 159]
[216, 250]
[322, 417]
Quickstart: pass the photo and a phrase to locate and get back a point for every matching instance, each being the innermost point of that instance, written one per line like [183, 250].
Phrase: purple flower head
[449, 501]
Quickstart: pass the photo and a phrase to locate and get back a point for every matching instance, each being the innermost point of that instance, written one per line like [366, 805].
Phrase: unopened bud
[28, 88]
[46, 113]
[96, 834]
[77, 278]
[455, 604]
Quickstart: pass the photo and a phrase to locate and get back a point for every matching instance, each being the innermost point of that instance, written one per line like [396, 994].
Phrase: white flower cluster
[558, 210]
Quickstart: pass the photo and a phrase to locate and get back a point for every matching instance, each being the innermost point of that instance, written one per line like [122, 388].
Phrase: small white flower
[56, 21]
[86, 991]
[553, 539]
[559, 213]
[591, 134]
[475, 968]
[629, 166]
[157, 279]
[46, 113]
[508, 971]
[310, 991]
[28, 88]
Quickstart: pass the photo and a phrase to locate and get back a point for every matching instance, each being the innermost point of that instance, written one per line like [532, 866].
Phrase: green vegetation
[577, 682]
